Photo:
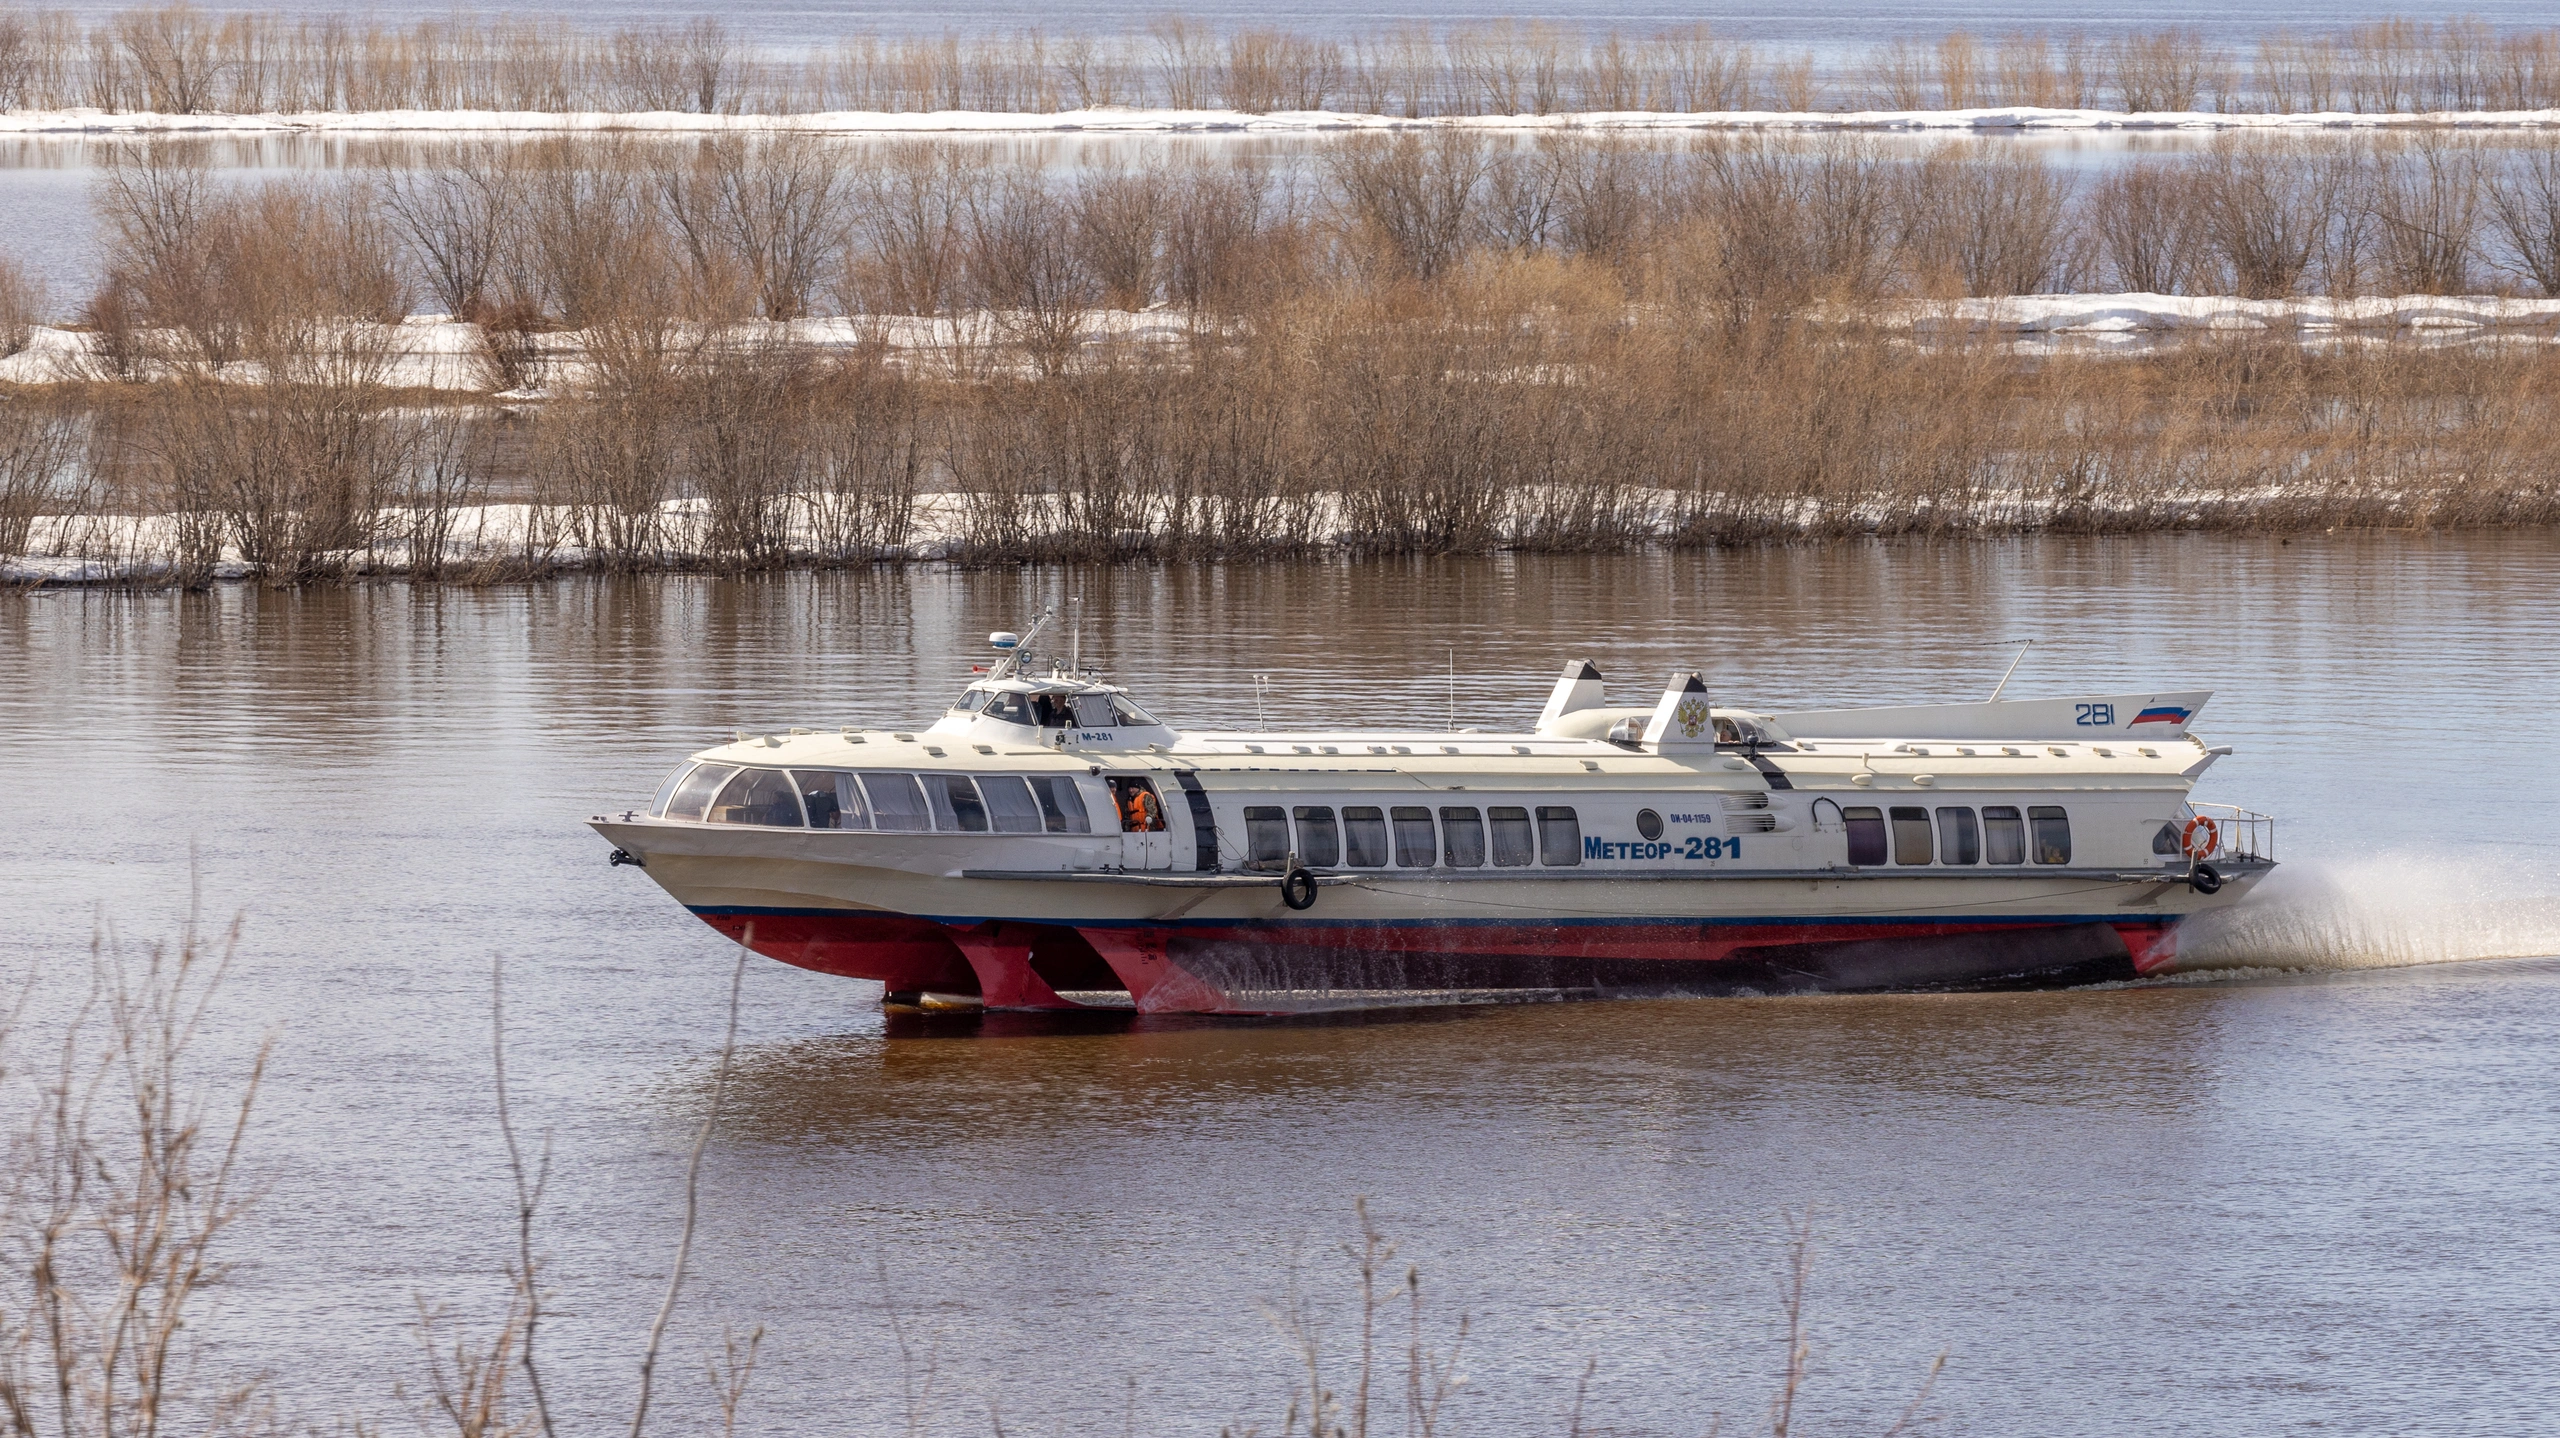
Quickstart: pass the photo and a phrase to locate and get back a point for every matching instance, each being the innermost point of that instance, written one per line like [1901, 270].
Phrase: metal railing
[2242, 833]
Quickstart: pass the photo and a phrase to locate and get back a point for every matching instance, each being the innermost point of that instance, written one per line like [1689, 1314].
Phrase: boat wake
[2384, 912]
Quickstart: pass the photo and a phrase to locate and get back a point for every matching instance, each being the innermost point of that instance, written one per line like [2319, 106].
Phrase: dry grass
[178, 59]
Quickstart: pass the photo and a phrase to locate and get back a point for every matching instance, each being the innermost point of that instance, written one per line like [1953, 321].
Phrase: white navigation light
[1004, 639]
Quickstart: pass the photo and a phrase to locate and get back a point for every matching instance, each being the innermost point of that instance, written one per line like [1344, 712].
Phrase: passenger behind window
[1009, 804]
[1462, 832]
[897, 802]
[2052, 833]
[834, 801]
[1266, 836]
[1514, 844]
[1959, 841]
[1364, 838]
[1866, 836]
[1062, 808]
[1559, 837]
[1319, 846]
[2004, 835]
[758, 796]
[1414, 839]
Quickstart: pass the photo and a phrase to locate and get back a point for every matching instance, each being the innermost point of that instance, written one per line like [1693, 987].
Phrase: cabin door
[1146, 841]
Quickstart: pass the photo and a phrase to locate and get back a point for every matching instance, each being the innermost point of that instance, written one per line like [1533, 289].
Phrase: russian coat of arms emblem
[1691, 716]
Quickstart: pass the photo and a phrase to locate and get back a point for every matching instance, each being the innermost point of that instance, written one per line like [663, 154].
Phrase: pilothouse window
[1093, 711]
[1010, 708]
[667, 790]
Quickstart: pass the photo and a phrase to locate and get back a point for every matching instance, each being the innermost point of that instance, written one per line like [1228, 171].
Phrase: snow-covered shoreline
[1116, 121]
[437, 352]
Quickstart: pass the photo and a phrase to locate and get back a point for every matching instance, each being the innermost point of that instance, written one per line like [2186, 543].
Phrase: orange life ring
[2211, 831]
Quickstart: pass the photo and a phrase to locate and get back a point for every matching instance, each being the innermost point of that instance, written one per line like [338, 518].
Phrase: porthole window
[1648, 823]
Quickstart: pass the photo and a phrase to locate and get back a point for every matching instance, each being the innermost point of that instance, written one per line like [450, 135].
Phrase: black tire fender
[2205, 880]
[1298, 889]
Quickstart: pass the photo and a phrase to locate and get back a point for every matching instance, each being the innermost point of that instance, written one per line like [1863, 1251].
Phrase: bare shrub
[2172, 69]
[1119, 228]
[760, 219]
[1186, 62]
[2524, 202]
[40, 446]
[2266, 207]
[459, 221]
[1409, 201]
[2143, 226]
[911, 229]
[1024, 267]
[868, 444]
[1269, 70]
[22, 302]
[2427, 202]
[1987, 223]
[746, 449]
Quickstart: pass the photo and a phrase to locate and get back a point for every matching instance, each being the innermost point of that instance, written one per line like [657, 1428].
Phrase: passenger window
[2053, 834]
[1559, 837]
[1141, 812]
[1414, 839]
[834, 801]
[1062, 808]
[896, 803]
[1462, 830]
[1513, 844]
[1009, 708]
[1866, 836]
[1959, 840]
[667, 790]
[1093, 711]
[1364, 838]
[955, 804]
[1009, 804]
[1910, 836]
[1319, 846]
[1266, 836]
[757, 796]
[696, 791]
[2004, 835]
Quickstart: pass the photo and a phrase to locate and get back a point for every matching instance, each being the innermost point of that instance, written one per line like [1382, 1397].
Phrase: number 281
[2094, 716]
[1702, 847]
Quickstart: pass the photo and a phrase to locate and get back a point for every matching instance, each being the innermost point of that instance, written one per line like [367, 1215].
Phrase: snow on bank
[1117, 121]
[437, 352]
[2138, 315]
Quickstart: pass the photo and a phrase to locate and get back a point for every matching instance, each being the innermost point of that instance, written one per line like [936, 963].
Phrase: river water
[2311, 1191]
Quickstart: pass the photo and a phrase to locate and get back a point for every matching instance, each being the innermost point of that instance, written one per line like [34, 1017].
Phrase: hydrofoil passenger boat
[1048, 844]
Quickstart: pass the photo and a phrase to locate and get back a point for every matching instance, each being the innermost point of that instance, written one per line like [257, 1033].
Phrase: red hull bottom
[1243, 969]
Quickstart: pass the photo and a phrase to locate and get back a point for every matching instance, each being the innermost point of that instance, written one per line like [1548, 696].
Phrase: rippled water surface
[2311, 1191]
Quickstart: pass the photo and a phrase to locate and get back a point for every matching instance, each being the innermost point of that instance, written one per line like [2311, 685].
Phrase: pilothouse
[1048, 843]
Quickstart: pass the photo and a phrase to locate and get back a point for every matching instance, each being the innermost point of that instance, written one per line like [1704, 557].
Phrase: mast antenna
[1075, 651]
[1260, 724]
[2023, 646]
[1453, 689]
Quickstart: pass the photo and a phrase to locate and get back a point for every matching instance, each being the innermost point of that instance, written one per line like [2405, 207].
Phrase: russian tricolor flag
[2162, 714]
